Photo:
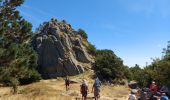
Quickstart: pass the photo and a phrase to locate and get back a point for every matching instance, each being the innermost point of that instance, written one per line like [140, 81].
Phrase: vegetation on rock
[82, 33]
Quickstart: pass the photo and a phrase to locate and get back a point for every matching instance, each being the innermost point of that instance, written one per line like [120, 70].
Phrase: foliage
[64, 21]
[108, 65]
[91, 49]
[166, 52]
[158, 71]
[140, 75]
[82, 33]
[18, 59]
[135, 72]
[126, 72]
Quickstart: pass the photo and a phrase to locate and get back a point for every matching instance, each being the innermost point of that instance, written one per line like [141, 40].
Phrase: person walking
[153, 90]
[67, 83]
[96, 88]
[153, 87]
[165, 89]
[84, 89]
[164, 96]
[132, 95]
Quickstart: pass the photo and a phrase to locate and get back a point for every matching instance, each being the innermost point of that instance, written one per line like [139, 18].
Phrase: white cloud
[36, 10]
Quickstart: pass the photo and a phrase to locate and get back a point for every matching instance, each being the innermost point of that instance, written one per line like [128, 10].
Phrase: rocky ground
[54, 89]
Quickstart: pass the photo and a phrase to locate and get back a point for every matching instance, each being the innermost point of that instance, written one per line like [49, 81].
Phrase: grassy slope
[54, 89]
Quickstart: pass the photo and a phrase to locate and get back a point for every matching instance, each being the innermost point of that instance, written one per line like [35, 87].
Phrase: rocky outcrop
[60, 50]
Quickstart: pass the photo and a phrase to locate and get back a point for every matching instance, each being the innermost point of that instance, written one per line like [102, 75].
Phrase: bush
[158, 71]
[64, 21]
[82, 33]
[108, 65]
[33, 76]
[91, 49]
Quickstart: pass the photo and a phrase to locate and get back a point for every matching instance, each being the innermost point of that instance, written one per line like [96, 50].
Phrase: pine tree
[18, 60]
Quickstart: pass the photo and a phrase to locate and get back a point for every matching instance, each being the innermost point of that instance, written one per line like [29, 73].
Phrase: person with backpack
[165, 89]
[153, 90]
[143, 94]
[84, 89]
[96, 88]
[67, 82]
[164, 96]
[153, 87]
[132, 95]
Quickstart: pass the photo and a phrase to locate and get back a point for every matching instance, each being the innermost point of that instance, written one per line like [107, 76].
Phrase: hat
[134, 91]
[162, 91]
[84, 82]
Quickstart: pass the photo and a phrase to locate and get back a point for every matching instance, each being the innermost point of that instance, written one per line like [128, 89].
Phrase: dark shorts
[67, 84]
[96, 92]
[84, 94]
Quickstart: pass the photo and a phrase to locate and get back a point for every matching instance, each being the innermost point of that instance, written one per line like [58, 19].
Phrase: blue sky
[136, 30]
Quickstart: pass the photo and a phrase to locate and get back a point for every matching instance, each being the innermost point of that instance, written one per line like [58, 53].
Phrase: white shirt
[132, 97]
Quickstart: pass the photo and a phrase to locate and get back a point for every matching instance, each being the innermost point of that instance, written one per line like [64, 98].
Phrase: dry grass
[54, 89]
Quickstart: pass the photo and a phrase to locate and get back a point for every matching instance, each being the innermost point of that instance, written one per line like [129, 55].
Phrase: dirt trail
[54, 89]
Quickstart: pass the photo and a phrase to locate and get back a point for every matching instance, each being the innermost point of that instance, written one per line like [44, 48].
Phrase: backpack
[97, 83]
[83, 88]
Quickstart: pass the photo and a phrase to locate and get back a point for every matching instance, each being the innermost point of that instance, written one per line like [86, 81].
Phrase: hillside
[54, 89]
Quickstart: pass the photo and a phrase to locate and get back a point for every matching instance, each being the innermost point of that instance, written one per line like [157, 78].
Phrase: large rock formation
[60, 50]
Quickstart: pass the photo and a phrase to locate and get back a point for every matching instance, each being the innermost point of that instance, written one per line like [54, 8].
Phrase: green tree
[166, 52]
[18, 60]
[126, 72]
[108, 65]
[158, 70]
[135, 71]
[139, 75]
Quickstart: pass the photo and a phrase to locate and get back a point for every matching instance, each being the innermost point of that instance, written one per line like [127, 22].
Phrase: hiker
[143, 94]
[165, 89]
[164, 96]
[96, 88]
[153, 90]
[84, 89]
[132, 95]
[153, 87]
[67, 82]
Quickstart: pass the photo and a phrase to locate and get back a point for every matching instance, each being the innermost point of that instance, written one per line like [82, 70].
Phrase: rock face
[60, 50]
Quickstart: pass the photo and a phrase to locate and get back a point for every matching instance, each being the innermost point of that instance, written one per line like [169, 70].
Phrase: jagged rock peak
[60, 49]
[54, 24]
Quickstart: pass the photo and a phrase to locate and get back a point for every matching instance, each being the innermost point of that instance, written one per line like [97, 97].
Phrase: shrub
[108, 65]
[91, 49]
[82, 33]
